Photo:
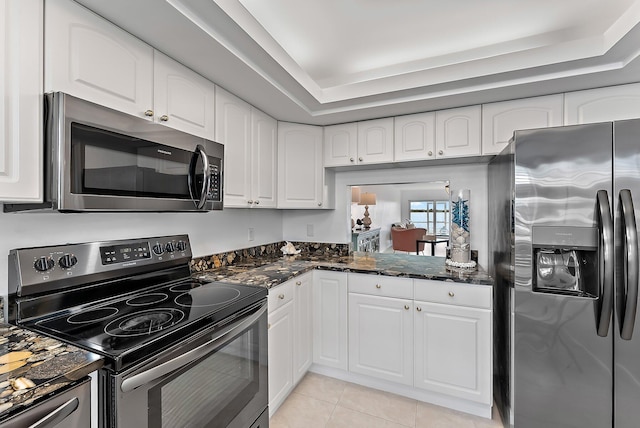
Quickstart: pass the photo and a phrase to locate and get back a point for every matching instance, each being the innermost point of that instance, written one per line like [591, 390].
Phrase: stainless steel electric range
[179, 352]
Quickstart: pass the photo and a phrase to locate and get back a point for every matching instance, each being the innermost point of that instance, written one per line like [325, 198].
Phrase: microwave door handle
[61, 413]
[220, 338]
[200, 200]
[631, 262]
[605, 251]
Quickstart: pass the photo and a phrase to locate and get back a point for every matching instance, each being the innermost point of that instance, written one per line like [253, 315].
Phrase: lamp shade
[367, 198]
[355, 194]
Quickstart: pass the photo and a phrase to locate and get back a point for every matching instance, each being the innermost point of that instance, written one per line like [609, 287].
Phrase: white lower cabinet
[453, 351]
[330, 319]
[303, 325]
[381, 337]
[289, 337]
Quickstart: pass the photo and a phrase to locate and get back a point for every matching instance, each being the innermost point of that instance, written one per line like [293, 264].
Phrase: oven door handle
[220, 338]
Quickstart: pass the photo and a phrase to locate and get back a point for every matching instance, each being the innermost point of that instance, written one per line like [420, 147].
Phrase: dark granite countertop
[33, 366]
[271, 271]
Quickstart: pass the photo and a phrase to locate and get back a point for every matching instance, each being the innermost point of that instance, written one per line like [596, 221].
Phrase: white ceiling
[335, 61]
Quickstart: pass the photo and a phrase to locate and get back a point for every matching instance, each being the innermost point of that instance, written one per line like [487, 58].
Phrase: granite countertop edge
[271, 272]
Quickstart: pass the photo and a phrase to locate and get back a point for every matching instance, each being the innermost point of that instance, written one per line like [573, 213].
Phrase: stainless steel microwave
[99, 159]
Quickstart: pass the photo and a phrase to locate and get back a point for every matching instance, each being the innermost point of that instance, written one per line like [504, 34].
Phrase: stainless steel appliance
[565, 260]
[99, 159]
[179, 352]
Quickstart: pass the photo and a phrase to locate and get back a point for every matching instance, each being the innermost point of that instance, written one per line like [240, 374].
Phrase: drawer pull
[451, 294]
[406, 307]
[419, 309]
[378, 286]
[280, 296]
[298, 283]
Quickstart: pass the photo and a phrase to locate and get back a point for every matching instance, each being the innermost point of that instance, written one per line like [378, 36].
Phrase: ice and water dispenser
[565, 260]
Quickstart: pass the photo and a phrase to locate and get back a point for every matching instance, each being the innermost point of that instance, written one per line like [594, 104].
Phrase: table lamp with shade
[367, 199]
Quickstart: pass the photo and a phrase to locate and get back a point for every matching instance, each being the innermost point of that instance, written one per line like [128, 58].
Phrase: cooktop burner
[144, 322]
[128, 329]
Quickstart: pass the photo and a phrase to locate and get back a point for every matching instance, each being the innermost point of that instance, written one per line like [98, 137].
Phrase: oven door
[217, 379]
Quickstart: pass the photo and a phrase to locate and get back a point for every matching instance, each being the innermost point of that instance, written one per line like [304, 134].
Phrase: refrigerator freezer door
[626, 331]
[562, 370]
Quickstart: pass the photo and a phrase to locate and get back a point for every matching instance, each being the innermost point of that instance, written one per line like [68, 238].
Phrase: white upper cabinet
[250, 152]
[90, 58]
[341, 145]
[458, 132]
[264, 159]
[602, 105]
[233, 129]
[375, 141]
[499, 120]
[415, 137]
[21, 115]
[183, 99]
[300, 166]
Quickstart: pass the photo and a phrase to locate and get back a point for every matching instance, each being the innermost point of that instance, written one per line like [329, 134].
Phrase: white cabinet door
[183, 99]
[264, 159]
[381, 337]
[415, 137]
[280, 355]
[375, 141]
[300, 166]
[330, 319]
[602, 104]
[233, 129]
[90, 58]
[21, 116]
[302, 326]
[499, 120]
[458, 132]
[341, 144]
[453, 351]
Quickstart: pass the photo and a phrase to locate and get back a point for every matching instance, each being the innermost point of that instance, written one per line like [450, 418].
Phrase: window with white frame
[431, 215]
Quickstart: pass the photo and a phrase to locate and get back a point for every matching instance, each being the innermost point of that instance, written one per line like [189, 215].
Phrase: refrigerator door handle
[605, 228]
[630, 258]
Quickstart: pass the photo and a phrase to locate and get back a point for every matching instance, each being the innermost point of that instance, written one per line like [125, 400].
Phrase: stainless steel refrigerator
[564, 253]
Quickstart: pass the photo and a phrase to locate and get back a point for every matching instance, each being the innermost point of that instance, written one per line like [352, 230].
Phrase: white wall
[209, 233]
[334, 225]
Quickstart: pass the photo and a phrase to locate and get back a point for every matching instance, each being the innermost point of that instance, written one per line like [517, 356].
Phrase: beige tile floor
[320, 401]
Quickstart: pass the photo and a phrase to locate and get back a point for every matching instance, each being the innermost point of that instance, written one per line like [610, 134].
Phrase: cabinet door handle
[419, 309]
[352, 160]
[360, 159]
[430, 153]
[378, 286]
[257, 202]
[440, 152]
[281, 296]
[406, 307]
[148, 113]
[319, 204]
[164, 118]
[451, 294]
[250, 202]
[298, 283]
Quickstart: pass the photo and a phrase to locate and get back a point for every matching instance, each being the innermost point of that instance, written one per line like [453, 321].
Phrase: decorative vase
[460, 237]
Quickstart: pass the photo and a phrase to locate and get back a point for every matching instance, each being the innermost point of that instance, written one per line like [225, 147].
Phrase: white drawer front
[379, 285]
[454, 293]
[280, 294]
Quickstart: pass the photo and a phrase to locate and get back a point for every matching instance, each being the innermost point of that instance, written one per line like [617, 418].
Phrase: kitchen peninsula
[396, 322]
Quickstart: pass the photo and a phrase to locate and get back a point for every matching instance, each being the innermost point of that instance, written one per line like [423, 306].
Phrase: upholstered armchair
[405, 239]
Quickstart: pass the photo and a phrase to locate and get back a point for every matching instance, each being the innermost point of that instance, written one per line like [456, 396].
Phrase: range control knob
[181, 246]
[67, 261]
[44, 264]
[158, 249]
[170, 247]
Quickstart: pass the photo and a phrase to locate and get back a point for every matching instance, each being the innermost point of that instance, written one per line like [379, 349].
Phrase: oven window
[213, 391]
[108, 163]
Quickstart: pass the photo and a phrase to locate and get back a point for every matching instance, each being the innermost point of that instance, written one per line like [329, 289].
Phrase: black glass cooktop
[128, 329]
